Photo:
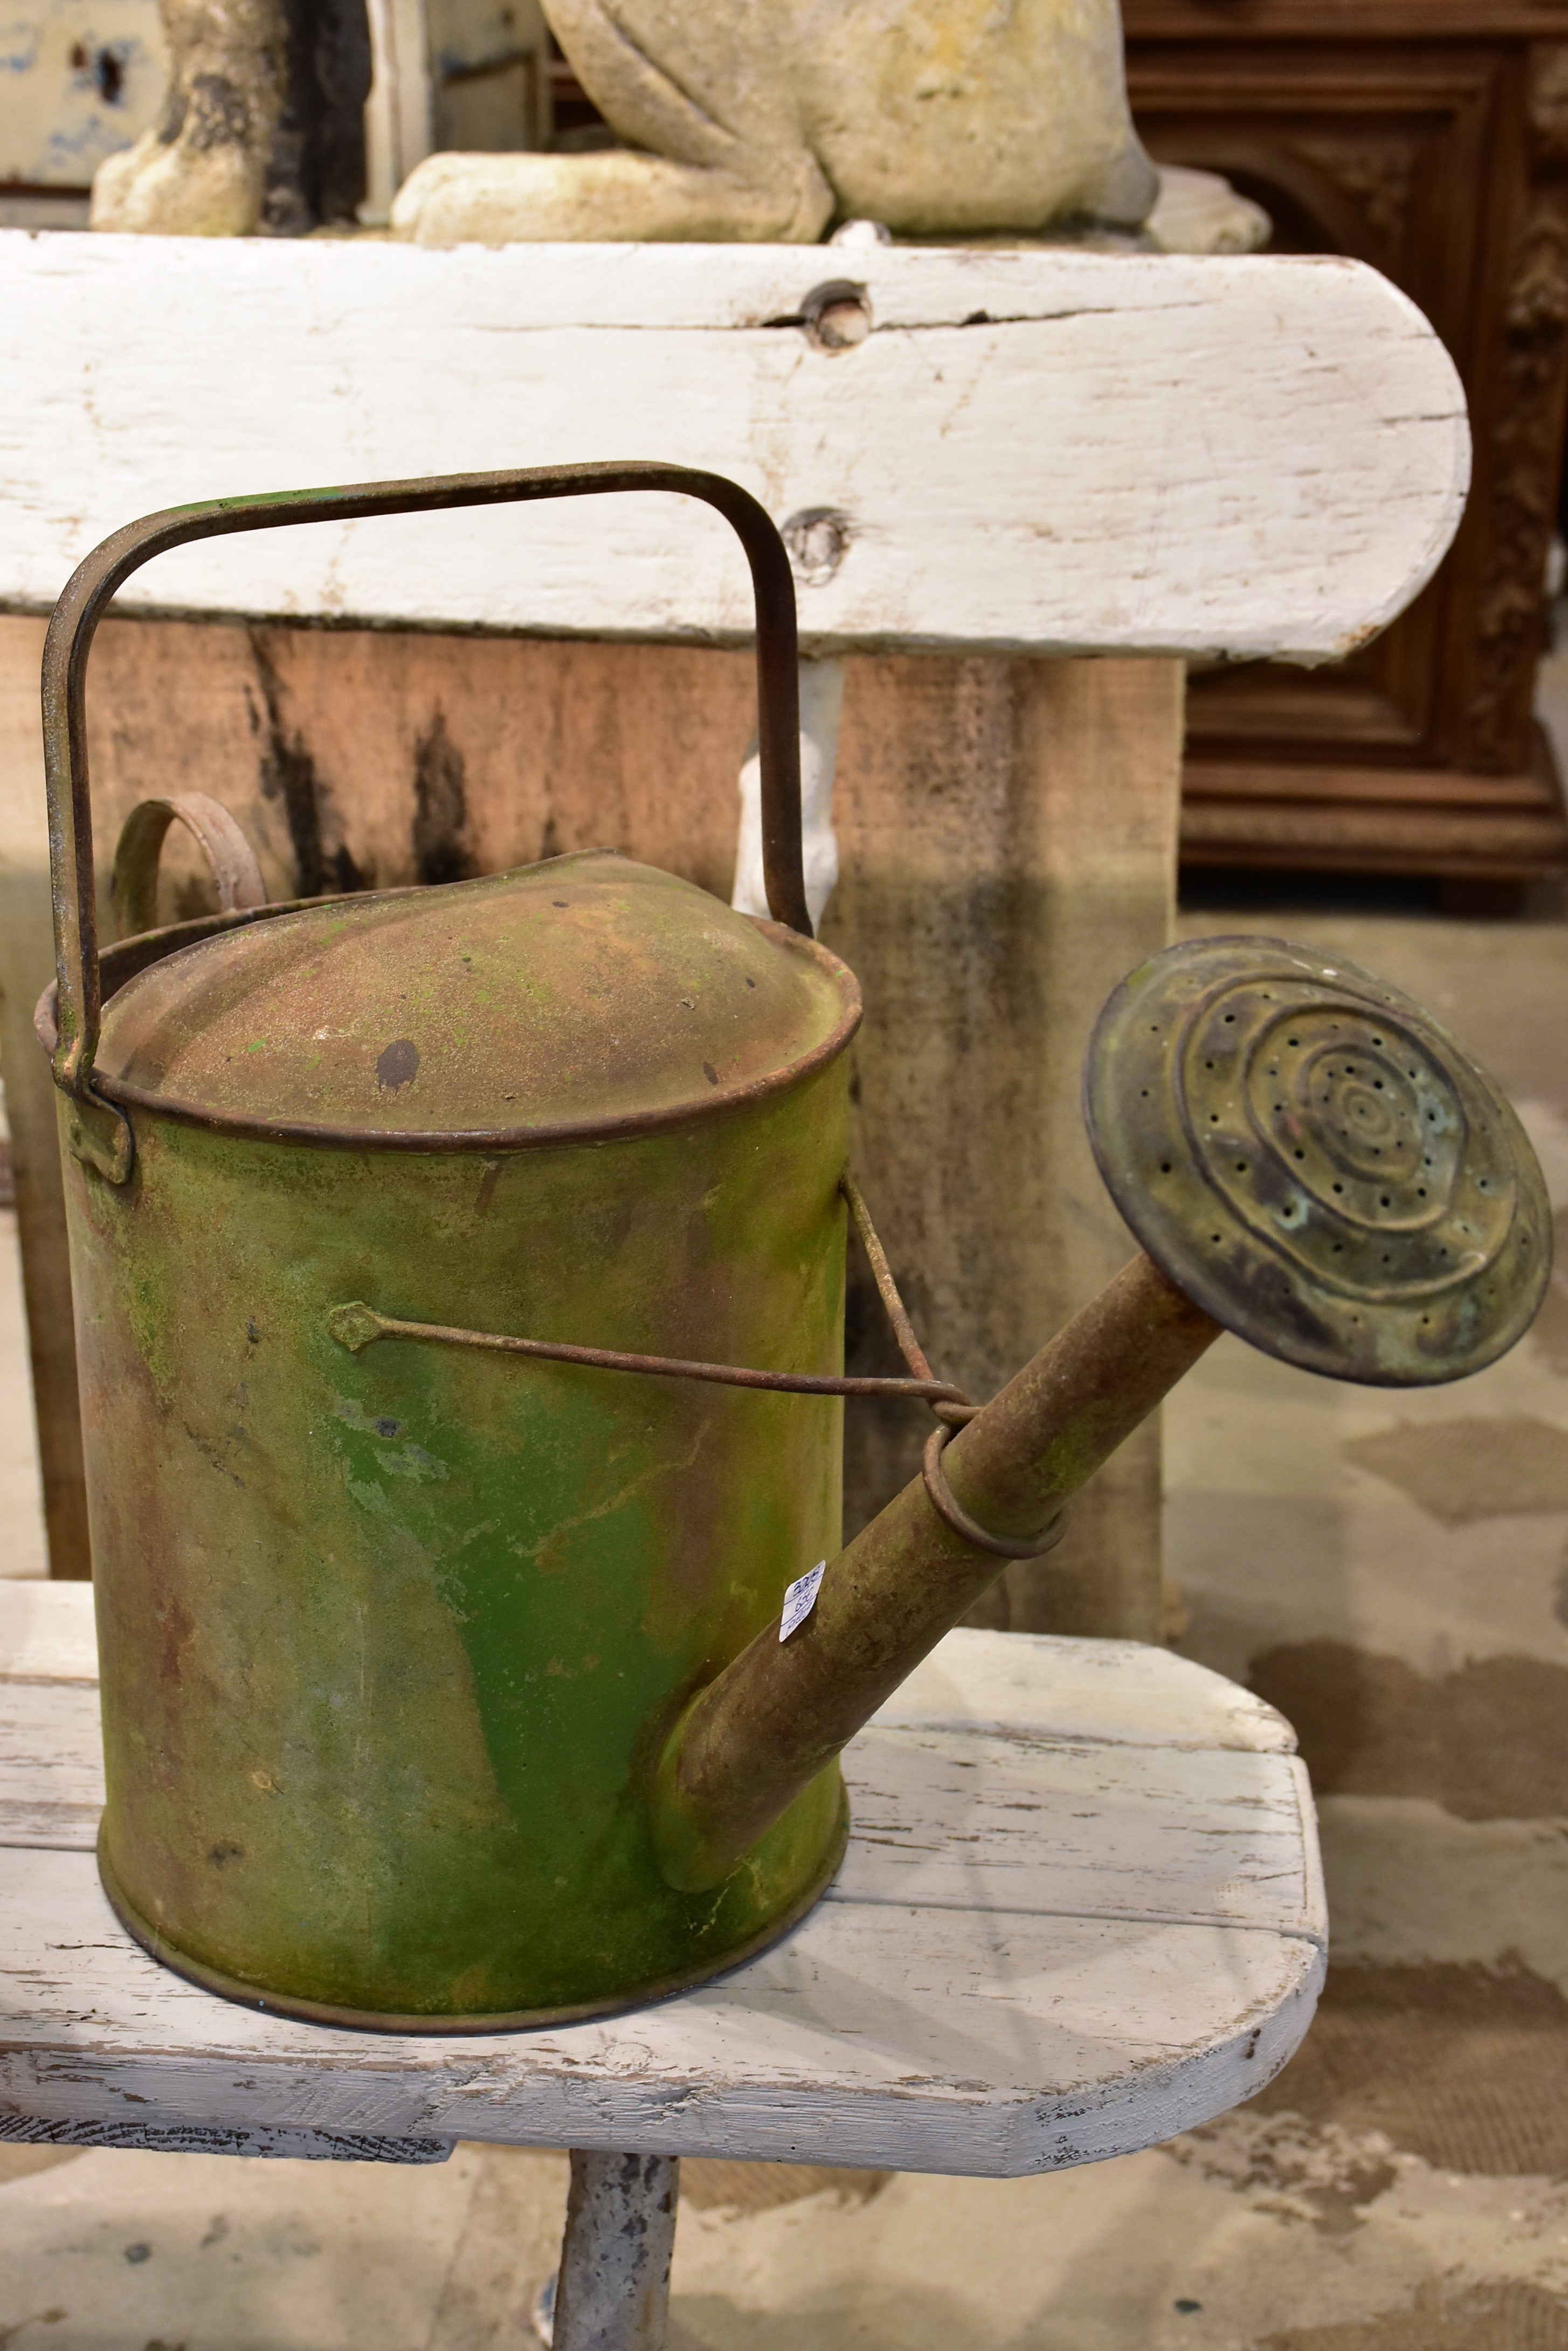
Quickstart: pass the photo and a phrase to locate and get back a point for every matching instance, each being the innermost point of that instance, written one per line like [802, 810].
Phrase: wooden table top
[1080, 1910]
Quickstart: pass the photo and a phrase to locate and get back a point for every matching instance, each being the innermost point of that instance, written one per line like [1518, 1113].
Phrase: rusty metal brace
[356, 1326]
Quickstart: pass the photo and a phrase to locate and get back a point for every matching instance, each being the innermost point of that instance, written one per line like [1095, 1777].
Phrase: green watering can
[459, 1282]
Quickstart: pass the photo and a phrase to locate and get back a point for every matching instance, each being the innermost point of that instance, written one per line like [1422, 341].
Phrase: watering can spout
[785, 1708]
[1309, 1160]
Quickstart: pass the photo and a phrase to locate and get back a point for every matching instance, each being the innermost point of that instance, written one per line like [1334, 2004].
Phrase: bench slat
[1042, 453]
[919, 2039]
[1080, 1910]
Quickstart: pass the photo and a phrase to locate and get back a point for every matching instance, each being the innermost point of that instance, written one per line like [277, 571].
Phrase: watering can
[459, 1282]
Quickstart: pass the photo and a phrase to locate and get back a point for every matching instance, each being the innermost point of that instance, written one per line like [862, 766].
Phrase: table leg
[613, 2292]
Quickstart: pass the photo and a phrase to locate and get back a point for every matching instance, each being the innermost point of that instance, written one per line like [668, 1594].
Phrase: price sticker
[801, 1599]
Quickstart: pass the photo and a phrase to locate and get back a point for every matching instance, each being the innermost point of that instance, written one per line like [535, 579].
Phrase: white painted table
[1080, 1910]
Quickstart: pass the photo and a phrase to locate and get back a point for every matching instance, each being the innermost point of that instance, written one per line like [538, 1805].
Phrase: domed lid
[582, 998]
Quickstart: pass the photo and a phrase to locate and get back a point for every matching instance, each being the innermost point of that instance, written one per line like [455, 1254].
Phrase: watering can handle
[133, 885]
[96, 580]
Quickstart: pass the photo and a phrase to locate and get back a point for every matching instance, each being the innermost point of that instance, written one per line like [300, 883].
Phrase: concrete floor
[1390, 1569]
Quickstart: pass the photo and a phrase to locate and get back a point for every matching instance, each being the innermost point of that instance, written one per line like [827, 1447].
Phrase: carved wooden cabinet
[1430, 138]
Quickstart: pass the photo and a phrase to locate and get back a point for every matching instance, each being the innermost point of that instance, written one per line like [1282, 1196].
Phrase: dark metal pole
[613, 2293]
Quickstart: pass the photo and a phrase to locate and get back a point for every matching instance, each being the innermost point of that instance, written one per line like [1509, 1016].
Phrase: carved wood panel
[1432, 141]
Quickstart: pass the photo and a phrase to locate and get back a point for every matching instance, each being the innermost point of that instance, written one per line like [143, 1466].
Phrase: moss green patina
[391, 1640]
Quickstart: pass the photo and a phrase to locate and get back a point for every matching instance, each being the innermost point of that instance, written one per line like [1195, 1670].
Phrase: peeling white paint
[1055, 1939]
[1048, 452]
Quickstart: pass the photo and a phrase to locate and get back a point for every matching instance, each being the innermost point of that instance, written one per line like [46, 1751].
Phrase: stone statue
[745, 120]
[263, 125]
[761, 119]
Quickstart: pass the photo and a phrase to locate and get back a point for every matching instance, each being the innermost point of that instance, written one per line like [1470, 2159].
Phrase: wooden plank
[1348, 836]
[1040, 1950]
[27, 964]
[924, 2015]
[1343, 20]
[197, 2138]
[1007, 844]
[918, 2040]
[51, 1764]
[1418, 788]
[1132, 454]
[1118, 1693]
[46, 1633]
[948, 1820]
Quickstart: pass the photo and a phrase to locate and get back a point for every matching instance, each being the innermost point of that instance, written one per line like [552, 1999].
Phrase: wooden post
[1007, 839]
[27, 967]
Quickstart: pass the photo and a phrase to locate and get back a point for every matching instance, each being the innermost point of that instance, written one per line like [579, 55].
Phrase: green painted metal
[586, 997]
[391, 1641]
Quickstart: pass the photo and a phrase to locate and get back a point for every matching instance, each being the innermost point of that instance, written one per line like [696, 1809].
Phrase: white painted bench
[1037, 453]
[1047, 453]
[1050, 455]
[1080, 1910]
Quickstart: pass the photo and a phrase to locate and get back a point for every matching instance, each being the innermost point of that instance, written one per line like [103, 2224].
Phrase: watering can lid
[582, 997]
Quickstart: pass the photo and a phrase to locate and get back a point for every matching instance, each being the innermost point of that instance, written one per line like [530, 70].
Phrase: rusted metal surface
[1318, 1161]
[127, 958]
[958, 1408]
[391, 1641]
[102, 1134]
[356, 1326]
[576, 1000]
[946, 1505]
[134, 886]
[773, 1722]
[1263, 1119]
[953, 1411]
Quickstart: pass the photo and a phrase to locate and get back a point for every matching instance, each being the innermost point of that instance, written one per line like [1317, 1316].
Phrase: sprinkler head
[1317, 1163]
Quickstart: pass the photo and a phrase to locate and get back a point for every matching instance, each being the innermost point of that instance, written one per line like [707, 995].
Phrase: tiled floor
[1389, 1568]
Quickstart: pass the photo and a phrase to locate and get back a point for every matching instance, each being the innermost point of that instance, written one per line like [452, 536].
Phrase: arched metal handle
[96, 580]
[133, 886]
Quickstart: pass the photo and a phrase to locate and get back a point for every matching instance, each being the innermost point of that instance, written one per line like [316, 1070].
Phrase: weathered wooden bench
[1080, 1910]
[1005, 462]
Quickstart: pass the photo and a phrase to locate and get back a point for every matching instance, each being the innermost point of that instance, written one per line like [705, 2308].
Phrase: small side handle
[134, 886]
